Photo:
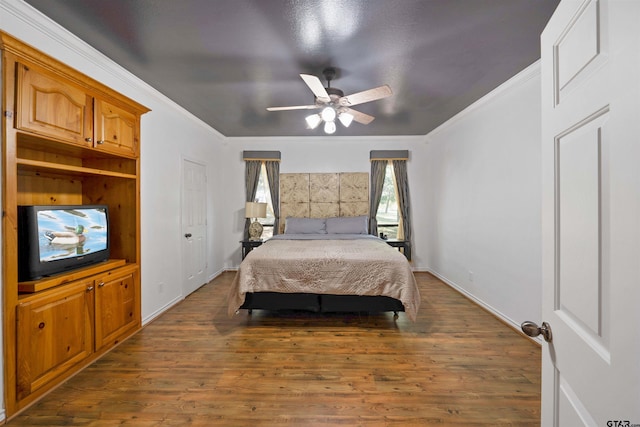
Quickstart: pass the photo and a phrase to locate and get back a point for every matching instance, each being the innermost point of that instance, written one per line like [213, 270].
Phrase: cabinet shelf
[60, 279]
[69, 170]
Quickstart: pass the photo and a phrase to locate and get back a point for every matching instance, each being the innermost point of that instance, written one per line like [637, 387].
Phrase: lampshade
[328, 114]
[313, 121]
[330, 127]
[345, 119]
[255, 210]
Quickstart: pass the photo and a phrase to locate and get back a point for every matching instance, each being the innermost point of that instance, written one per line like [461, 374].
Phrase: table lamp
[255, 210]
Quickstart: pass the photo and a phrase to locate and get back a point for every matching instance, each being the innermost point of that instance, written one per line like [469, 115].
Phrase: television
[55, 239]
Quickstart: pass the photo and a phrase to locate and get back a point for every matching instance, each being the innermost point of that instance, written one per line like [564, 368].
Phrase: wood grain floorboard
[456, 365]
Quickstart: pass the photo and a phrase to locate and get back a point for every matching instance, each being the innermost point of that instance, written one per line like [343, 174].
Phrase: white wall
[169, 134]
[164, 148]
[315, 154]
[482, 199]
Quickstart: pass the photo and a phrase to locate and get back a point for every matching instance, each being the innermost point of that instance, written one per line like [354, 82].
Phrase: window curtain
[273, 176]
[378, 168]
[404, 204]
[251, 177]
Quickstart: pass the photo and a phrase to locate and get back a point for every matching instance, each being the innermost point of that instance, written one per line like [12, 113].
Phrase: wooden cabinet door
[116, 305]
[54, 332]
[52, 107]
[115, 129]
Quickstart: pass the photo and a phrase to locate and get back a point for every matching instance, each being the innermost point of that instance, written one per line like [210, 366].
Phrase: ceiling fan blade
[293, 107]
[366, 96]
[316, 87]
[359, 117]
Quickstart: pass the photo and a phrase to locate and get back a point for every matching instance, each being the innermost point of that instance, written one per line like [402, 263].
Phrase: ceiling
[226, 61]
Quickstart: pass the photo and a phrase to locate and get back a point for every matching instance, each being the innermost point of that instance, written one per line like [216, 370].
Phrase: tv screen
[69, 233]
[53, 239]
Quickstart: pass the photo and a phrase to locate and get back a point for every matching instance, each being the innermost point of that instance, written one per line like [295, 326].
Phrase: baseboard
[176, 300]
[216, 274]
[161, 310]
[487, 307]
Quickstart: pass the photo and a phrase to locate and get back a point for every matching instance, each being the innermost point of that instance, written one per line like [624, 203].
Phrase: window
[388, 215]
[263, 194]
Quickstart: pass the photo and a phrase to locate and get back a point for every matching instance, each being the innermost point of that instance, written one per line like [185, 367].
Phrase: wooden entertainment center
[67, 140]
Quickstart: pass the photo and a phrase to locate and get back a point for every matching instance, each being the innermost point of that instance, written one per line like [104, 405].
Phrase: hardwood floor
[194, 366]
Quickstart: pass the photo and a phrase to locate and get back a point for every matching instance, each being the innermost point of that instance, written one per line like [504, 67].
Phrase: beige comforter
[339, 267]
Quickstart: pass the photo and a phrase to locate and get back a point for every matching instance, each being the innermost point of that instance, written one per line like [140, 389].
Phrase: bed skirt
[275, 301]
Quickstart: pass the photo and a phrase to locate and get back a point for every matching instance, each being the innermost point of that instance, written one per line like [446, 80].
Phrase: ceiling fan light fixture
[313, 121]
[345, 119]
[333, 103]
[329, 127]
[328, 114]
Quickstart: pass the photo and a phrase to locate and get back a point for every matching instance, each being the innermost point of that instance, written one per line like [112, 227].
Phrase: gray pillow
[305, 226]
[348, 225]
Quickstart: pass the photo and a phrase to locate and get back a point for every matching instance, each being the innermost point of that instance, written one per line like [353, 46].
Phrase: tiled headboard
[323, 195]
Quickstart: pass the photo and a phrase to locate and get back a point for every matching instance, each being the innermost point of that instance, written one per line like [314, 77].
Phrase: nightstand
[403, 246]
[249, 245]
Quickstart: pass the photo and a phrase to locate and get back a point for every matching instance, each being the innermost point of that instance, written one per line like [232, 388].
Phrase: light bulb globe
[345, 119]
[328, 114]
[329, 127]
[313, 121]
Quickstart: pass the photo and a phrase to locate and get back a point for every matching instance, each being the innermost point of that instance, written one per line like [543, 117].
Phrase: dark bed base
[275, 301]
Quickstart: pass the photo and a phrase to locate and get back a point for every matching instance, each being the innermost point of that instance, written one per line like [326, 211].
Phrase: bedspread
[338, 267]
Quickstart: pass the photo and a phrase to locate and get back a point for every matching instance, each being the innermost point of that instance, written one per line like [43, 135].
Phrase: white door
[194, 226]
[591, 214]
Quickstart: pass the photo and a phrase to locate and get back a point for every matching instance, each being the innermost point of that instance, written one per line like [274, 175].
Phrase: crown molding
[521, 78]
[400, 139]
[59, 43]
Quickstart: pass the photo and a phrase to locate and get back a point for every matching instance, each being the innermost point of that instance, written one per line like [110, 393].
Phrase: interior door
[591, 214]
[194, 226]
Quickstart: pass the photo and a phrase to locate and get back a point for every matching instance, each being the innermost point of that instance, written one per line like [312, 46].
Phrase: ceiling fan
[334, 104]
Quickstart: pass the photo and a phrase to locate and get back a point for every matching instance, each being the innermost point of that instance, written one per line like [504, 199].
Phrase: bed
[322, 265]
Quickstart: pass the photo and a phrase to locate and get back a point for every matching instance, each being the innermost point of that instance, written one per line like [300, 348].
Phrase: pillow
[348, 225]
[305, 226]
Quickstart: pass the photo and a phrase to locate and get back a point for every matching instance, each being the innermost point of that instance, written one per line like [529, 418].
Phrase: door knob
[187, 235]
[533, 330]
